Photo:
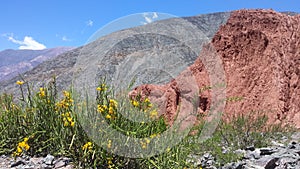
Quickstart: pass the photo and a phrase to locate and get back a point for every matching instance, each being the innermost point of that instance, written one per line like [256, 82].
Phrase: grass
[50, 122]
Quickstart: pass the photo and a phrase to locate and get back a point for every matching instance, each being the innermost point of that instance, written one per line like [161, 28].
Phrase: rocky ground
[282, 154]
[25, 162]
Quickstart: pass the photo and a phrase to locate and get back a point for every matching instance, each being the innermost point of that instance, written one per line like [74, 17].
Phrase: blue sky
[37, 24]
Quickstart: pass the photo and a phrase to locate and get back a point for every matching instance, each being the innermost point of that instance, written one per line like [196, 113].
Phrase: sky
[40, 24]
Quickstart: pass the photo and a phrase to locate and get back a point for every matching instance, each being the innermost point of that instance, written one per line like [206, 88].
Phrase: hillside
[105, 56]
[14, 62]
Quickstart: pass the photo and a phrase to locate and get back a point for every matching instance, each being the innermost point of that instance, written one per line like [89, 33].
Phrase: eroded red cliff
[260, 55]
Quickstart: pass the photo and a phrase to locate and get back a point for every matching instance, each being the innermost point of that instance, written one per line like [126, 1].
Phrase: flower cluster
[110, 110]
[22, 146]
[143, 104]
[42, 92]
[109, 144]
[64, 108]
[19, 82]
[102, 87]
[101, 108]
[87, 146]
[144, 143]
[67, 102]
[110, 162]
[67, 119]
[153, 114]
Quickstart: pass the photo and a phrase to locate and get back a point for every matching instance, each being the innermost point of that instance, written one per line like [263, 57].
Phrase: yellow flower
[153, 135]
[144, 145]
[19, 82]
[22, 146]
[26, 139]
[109, 161]
[66, 123]
[113, 103]
[87, 146]
[108, 116]
[66, 94]
[19, 150]
[42, 92]
[111, 110]
[135, 103]
[101, 108]
[109, 144]
[153, 114]
[147, 100]
[101, 88]
[67, 114]
[149, 105]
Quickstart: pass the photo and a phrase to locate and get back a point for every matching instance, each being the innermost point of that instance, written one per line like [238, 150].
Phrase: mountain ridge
[90, 55]
[14, 62]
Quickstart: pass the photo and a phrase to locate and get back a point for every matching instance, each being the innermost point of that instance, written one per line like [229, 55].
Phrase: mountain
[250, 58]
[106, 56]
[14, 62]
[251, 66]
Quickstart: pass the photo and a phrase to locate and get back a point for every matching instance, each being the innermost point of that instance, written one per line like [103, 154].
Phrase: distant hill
[14, 62]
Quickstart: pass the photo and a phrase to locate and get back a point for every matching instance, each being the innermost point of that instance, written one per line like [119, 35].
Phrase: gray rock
[267, 162]
[36, 160]
[236, 165]
[251, 148]
[284, 162]
[267, 151]
[252, 154]
[60, 164]
[48, 160]
[18, 163]
[45, 166]
[277, 144]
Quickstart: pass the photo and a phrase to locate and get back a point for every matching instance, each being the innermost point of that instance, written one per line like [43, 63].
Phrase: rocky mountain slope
[259, 51]
[156, 42]
[249, 57]
[14, 62]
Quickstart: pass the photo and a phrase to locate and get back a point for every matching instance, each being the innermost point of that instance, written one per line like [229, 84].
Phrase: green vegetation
[48, 122]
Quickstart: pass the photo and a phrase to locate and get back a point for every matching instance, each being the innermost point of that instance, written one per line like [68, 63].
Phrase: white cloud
[64, 38]
[89, 23]
[154, 15]
[27, 43]
[148, 20]
[149, 17]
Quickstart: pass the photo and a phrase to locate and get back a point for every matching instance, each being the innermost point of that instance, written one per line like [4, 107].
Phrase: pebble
[25, 162]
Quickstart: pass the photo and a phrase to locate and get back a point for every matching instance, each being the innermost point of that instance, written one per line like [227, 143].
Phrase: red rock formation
[260, 53]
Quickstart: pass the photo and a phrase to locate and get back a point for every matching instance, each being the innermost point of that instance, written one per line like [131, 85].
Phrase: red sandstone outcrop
[260, 54]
